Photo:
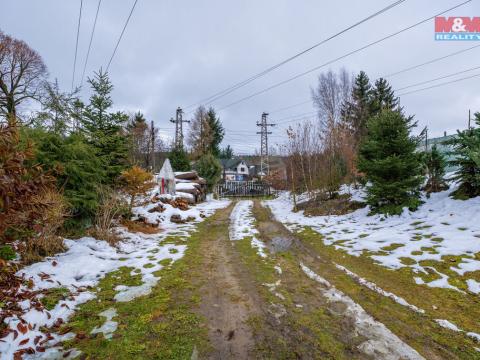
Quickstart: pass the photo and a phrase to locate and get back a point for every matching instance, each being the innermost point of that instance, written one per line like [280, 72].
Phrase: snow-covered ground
[242, 225]
[87, 261]
[441, 226]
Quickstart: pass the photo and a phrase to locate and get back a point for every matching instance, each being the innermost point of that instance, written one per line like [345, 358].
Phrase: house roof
[230, 163]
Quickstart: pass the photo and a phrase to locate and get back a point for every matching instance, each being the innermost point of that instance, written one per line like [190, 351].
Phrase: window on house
[242, 169]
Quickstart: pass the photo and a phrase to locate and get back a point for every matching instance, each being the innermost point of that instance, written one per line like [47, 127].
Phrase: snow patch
[382, 343]
[109, 326]
[242, 225]
[374, 287]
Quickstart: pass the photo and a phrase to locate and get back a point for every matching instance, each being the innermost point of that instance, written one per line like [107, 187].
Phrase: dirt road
[248, 288]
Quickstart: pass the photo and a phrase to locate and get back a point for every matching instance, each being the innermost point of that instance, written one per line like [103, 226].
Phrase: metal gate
[242, 188]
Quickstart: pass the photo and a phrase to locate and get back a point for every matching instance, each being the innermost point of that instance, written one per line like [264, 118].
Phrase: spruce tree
[466, 158]
[435, 164]
[391, 165]
[77, 169]
[104, 129]
[217, 132]
[358, 110]
[179, 160]
[210, 169]
[383, 97]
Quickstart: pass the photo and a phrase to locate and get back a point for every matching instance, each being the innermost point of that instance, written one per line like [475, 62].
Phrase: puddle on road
[279, 244]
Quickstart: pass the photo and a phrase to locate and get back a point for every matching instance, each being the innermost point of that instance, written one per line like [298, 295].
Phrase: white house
[235, 169]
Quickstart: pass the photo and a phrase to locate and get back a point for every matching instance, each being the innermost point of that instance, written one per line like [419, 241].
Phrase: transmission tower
[264, 166]
[178, 121]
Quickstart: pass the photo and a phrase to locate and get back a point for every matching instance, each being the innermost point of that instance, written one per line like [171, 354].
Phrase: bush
[46, 242]
[7, 253]
[77, 169]
[20, 181]
[210, 169]
[111, 207]
[136, 182]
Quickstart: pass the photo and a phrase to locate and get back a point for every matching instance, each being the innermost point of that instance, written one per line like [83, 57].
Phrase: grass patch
[161, 325]
[392, 247]
[54, 296]
[421, 332]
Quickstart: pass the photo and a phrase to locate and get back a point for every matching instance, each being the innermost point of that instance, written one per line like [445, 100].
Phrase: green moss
[415, 223]
[53, 296]
[392, 247]
[363, 235]
[407, 261]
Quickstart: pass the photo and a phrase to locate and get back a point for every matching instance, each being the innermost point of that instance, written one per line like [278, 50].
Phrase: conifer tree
[466, 152]
[392, 168]
[77, 169]
[435, 163]
[226, 153]
[179, 160]
[383, 97]
[358, 110]
[217, 132]
[210, 169]
[104, 129]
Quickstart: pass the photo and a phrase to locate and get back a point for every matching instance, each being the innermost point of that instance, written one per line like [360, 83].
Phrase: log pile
[190, 186]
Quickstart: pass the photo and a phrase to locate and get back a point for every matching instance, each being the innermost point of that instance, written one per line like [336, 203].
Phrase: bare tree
[22, 73]
[331, 92]
[200, 135]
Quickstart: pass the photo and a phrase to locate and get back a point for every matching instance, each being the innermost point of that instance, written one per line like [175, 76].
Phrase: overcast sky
[176, 53]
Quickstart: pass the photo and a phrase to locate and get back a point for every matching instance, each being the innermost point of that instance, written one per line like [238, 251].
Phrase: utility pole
[179, 128]
[469, 118]
[264, 165]
[153, 146]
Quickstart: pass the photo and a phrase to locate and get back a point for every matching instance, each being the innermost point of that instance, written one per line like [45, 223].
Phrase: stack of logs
[191, 186]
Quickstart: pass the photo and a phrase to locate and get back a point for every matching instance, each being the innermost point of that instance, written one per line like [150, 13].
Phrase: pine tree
[435, 163]
[179, 160]
[217, 132]
[104, 129]
[392, 167]
[383, 97]
[466, 152]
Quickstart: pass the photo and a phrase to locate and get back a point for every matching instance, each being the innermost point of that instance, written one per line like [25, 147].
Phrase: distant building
[441, 147]
[235, 169]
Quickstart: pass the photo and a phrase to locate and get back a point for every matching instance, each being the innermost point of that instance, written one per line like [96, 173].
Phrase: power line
[121, 35]
[238, 85]
[441, 84]
[389, 75]
[341, 57]
[76, 44]
[438, 78]
[290, 107]
[430, 61]
[90, 43]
